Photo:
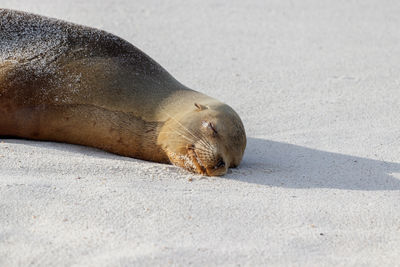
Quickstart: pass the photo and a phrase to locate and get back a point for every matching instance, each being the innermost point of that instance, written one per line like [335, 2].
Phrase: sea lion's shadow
[270, 163]
[285, 165]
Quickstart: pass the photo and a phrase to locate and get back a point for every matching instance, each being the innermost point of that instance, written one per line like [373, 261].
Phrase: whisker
[198, 148]
[203, 141]
[180, 124]
[181, 134]
[197, 139]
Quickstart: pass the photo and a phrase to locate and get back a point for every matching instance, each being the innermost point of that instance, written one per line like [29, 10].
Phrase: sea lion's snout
[205, 162]
[206, 140]
[218, 169]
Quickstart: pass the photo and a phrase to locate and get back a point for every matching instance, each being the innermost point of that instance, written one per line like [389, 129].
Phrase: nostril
[220, 164]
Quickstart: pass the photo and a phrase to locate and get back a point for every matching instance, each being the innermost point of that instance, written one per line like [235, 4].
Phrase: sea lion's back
[44, 60]
[30, 37]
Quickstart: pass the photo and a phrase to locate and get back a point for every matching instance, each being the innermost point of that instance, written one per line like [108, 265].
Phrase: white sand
[317, 86]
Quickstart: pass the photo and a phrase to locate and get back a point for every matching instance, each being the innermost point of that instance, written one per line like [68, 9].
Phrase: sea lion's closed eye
[210, 126]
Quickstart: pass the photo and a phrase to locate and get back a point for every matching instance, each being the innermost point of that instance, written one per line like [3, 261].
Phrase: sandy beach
[317, 86]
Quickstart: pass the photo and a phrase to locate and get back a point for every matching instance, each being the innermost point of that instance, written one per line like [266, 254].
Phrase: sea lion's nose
[220, 164]
[219, 169]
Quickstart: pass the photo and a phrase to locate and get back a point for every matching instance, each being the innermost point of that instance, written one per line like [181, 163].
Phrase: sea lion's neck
[147, 148]
[134, 137]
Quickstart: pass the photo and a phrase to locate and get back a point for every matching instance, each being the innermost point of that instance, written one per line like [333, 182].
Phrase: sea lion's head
[205, 140]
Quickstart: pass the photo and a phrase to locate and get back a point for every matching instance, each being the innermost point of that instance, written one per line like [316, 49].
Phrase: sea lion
[69, 83]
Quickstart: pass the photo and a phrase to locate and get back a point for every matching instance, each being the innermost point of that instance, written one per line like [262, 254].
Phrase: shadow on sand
[285, 165]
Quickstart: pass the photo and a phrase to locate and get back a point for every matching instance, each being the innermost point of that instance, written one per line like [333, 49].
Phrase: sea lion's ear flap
[200, 107]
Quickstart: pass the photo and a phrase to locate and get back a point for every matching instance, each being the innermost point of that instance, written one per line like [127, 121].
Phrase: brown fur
[69, 83]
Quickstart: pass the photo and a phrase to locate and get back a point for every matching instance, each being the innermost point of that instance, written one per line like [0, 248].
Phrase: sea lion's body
[69, 83]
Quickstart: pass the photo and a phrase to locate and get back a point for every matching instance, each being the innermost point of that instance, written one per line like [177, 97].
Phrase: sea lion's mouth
[197, 165]
[199, 168]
